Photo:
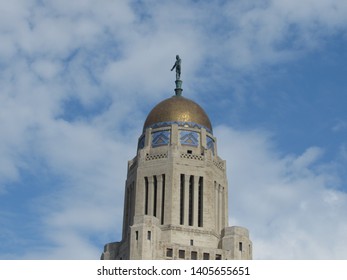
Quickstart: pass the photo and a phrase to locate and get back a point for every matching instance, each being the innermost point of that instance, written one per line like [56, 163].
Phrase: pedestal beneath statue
[178, 89]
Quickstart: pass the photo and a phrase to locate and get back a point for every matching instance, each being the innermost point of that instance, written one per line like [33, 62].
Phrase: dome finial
[177, 65]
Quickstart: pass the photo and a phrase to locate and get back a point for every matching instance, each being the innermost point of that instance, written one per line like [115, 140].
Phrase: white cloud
[292, 207]
[46, 68]
[84, 202]
[275, 31]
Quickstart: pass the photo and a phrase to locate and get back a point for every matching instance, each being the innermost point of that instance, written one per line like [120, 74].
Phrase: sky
[78, 78]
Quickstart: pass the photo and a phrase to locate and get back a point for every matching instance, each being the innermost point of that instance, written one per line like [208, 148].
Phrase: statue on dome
[177, 65]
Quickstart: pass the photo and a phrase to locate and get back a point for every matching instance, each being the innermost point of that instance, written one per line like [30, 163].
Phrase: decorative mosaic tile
[184, 124]
[210, 143]
[160, 138]
[190, 138]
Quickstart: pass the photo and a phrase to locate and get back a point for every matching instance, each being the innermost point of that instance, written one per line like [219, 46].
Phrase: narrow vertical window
[136, 235]
[240, 246]
[191, 200]
[155, 185]
[149, 235]
[162, 200]
[200, 202]
[182, 200]
[146, 196]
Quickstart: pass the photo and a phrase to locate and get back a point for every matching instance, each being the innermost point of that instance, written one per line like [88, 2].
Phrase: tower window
[169, 252]
[200, 201]
[240, 246]
[191, 200]
[155, 185]
[149, 235]
[162, 200]
[206, 256]
[182, 200]
[191, 242]
[181, 254]
[136, 235]
[146, 196]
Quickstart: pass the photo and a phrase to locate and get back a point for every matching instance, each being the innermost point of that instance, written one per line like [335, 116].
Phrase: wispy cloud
[290, 203]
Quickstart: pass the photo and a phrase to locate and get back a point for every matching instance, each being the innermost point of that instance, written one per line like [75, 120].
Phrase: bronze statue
[177, 65]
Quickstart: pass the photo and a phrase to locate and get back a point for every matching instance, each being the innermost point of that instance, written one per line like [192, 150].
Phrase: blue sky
[78, 78]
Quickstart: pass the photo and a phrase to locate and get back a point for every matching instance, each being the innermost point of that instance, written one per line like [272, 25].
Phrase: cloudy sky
[78, 78]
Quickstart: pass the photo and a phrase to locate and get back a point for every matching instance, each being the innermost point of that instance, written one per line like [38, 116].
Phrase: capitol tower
[176, 191]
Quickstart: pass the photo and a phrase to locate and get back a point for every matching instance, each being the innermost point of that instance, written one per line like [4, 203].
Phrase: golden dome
[178, 109]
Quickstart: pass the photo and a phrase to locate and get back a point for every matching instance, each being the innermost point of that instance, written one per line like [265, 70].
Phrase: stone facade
[176, 198]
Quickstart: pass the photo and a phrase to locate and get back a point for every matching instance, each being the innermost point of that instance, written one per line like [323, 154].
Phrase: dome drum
[196, 139]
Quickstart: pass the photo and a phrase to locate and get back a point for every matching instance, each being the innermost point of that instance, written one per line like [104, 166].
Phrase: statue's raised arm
[177, 65]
